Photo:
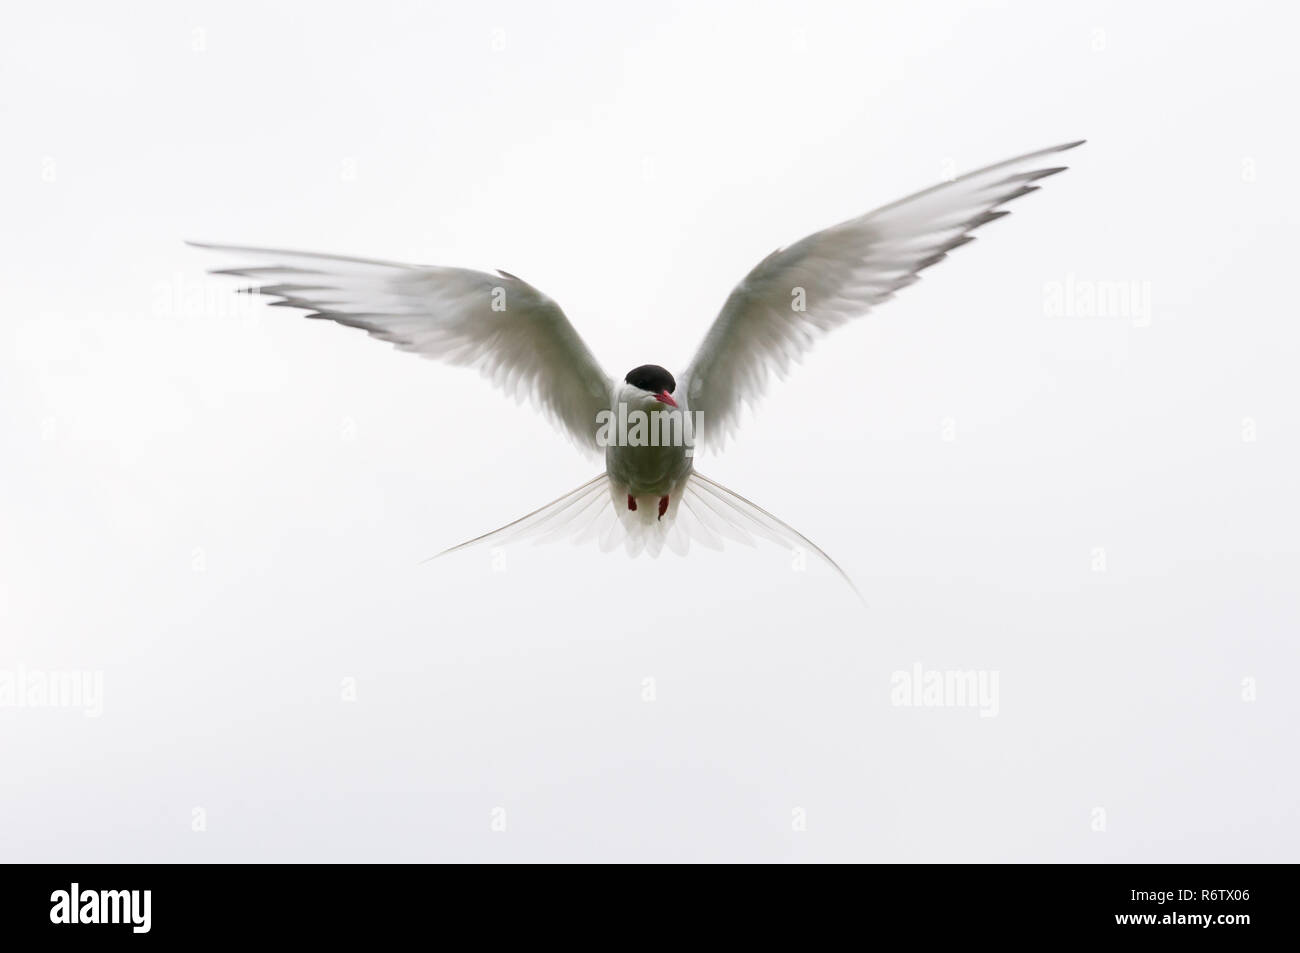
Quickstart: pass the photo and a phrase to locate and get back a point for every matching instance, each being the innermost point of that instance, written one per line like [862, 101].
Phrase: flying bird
[648, 424]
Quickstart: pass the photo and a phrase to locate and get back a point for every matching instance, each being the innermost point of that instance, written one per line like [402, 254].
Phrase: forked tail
[703, 511]
[555, 520]
[709, 497]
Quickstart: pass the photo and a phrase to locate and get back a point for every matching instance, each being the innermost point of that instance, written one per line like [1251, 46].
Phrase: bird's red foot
[631, 502]
[663, 506]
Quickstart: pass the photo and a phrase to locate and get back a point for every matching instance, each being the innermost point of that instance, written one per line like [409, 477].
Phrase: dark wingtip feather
[985, 217]
[1023, 190]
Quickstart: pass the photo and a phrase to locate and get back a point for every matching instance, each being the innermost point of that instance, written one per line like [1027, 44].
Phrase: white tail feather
[702, 510]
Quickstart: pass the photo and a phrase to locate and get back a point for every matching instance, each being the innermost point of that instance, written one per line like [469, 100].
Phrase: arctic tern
[649, 495]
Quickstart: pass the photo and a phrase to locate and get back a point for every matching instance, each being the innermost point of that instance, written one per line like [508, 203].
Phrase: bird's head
[649, 385]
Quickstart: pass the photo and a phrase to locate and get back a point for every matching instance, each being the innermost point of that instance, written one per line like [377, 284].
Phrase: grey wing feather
[502, 326]
[842, 273]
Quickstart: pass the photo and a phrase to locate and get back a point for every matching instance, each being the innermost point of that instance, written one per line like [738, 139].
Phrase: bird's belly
[647, 470]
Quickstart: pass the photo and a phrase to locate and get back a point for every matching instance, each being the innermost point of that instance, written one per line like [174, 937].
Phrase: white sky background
[222, 508]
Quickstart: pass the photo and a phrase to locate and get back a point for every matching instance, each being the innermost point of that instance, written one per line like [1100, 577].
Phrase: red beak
[665, 398]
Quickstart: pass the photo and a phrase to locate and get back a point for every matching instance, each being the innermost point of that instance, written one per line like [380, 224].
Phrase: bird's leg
[663, 506]
[631, 502]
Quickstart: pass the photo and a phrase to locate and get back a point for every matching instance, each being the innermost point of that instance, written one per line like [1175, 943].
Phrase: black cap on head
[651, 377]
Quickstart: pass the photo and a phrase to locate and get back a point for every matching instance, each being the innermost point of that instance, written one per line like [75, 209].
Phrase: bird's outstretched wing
[798, 293]
[513, 334]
